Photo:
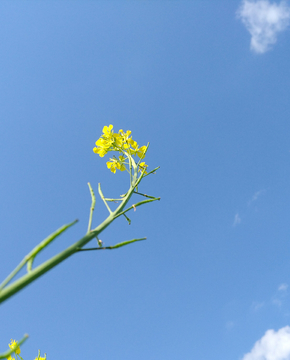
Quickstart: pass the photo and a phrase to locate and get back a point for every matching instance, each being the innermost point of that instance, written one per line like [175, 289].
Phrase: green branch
[92, 207]
[35, 273]
[103, 198]
[30, 257]
[6, 354]
[113, 246]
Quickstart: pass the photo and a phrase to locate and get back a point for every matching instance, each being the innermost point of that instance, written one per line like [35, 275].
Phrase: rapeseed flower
[12, 346]
[115, 164]
[143, 166]
[120, 142]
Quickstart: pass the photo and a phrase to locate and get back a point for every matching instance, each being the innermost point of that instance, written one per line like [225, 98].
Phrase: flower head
[17, 350]
[13, 344]
[115, 164]
[143, 166]
[122, 143]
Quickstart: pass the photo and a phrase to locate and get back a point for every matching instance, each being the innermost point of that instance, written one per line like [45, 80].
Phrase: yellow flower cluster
[18, 351]
[122, 143]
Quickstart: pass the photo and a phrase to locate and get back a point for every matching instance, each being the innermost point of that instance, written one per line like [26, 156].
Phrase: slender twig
[113, 200]
[41, 269]
[29, 257]
[152, 171]
[92, 207]
[103, 198]
[130, 166]
[100, 243]
[26, 279]
[129, 220]
[113, 246]
[6, 354]
[136, 205]
[147, 196]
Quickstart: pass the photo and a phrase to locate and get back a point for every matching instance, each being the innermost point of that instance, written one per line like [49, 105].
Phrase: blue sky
[207, 84]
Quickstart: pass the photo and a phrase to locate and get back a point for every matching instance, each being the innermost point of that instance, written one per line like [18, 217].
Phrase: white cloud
[237, 220]
[283, 287]
[256, 195]
[257, 305]
[277, 302]
[264, 20]
[274, 345]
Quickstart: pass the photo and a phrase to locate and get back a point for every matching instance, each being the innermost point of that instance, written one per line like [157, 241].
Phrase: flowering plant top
[123, 144]
[129, 156]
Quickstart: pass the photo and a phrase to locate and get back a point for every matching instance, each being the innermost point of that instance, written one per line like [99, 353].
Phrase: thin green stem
[113, 200]
[103, 198]
[13, 273]
[92, 207]
[30, 256]
[129, 220]
[35, 273]
[136, 205]
[113, 246]
[6, 354]
[147, 196]
[152, 171]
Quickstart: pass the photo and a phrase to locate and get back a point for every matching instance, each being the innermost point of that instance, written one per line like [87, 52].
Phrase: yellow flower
[121, 163]
[140, 152]
[115, 164]
[112, 165]
[105, 142]
[13, 344]
[107, 130]
[125, 135]
[143, 166]
[120, 142]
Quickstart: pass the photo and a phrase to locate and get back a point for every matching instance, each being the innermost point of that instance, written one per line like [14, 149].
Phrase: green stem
[35, 273]
[92, 207]
[103, 198]
[136, 205]
[147, 196]
[152, 171]
[6, 354]
[29, 257]
[113, 200]
[113, 246]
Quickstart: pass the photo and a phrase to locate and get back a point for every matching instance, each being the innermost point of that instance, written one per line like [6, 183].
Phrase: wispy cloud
[279, 299]
[237, 220]
[274, 345]
[264, 20]
[256, 195]
[256, 306]
[277, 302]
[280, 296]
[283, 287]
[251, 206]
